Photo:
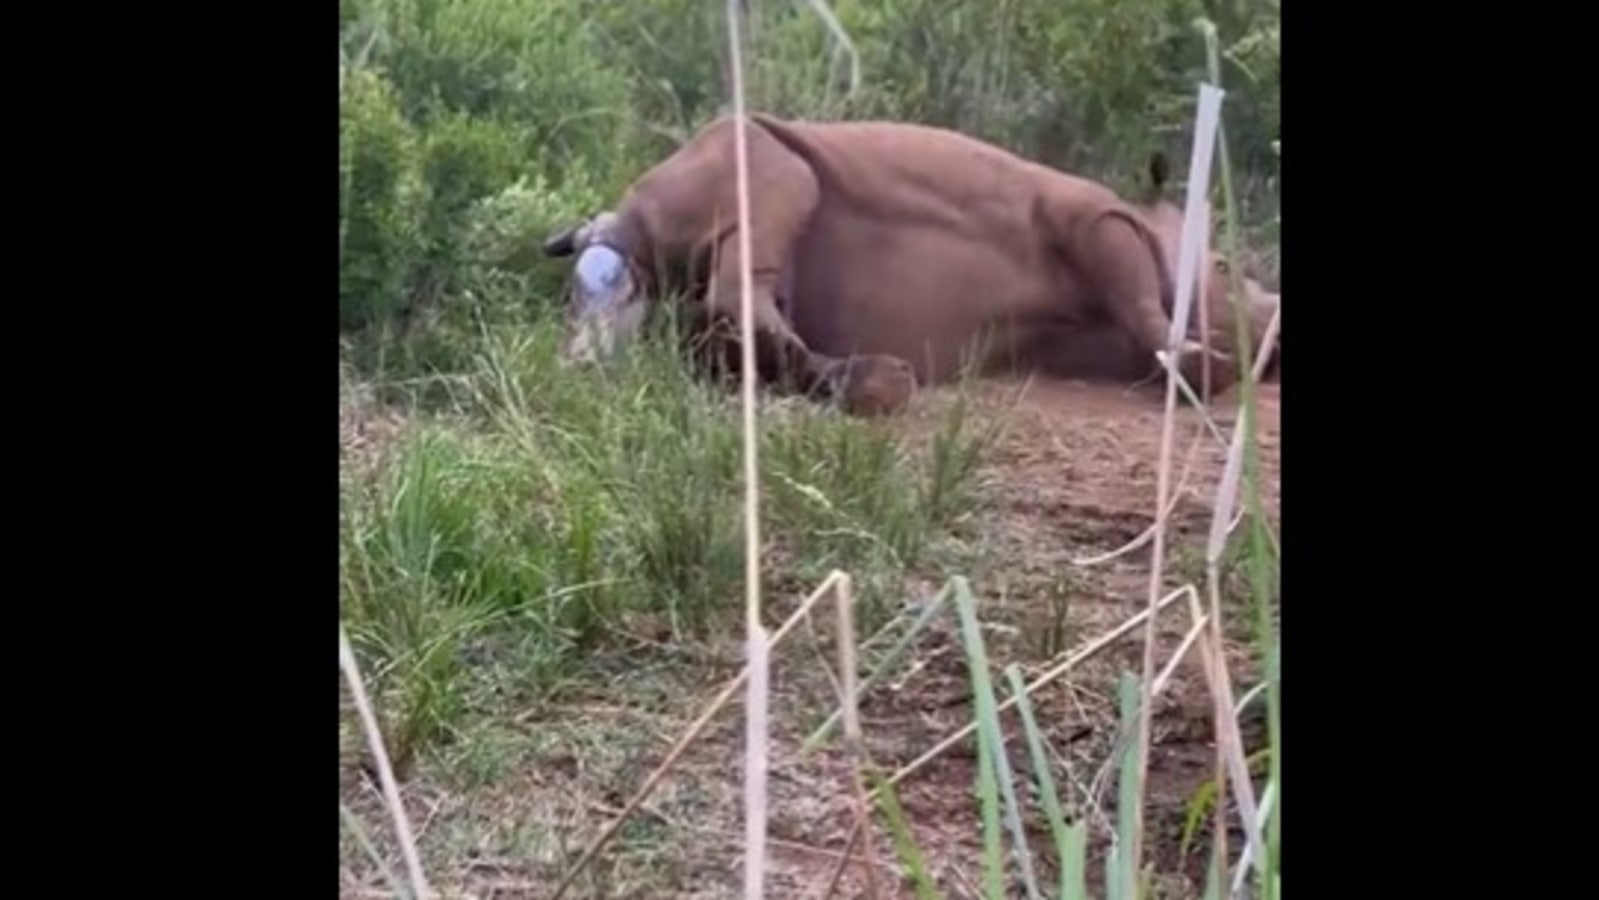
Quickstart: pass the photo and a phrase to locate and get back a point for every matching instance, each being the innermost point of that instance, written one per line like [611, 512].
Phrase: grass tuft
[560, 515]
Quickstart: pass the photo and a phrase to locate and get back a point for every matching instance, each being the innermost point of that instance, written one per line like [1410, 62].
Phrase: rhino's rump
[919, 250]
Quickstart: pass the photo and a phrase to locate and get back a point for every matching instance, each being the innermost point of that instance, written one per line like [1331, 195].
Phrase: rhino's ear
[1159, 170]
[562, 243]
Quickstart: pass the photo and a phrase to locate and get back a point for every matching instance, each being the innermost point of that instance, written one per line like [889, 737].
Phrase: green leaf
[904, 842]
[1071, 841]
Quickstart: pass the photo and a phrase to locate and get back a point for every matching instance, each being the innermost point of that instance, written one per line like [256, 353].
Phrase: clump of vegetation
[566, 509]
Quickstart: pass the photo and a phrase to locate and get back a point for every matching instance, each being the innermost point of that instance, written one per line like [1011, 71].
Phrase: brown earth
[1072, 474]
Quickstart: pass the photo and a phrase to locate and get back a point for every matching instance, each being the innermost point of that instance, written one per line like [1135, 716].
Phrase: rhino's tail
[1159, 171]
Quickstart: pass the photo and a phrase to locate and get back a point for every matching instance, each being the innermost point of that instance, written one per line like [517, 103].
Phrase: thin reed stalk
[854, 741]
[755, 751]
[693, 731]
[1189, 250]
[1094, 648]
[1264, 862]
[380, 760]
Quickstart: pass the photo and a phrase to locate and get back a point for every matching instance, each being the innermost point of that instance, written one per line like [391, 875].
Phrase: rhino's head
[604, 305]
[1215, 273]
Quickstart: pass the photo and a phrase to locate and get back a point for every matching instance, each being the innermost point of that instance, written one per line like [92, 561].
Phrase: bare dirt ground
[1073, 474]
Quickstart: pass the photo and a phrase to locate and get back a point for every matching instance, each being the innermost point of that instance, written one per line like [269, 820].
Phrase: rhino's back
[912, 173]
[923, 239]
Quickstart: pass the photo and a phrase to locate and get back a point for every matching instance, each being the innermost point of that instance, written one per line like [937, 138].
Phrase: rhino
[884, 255]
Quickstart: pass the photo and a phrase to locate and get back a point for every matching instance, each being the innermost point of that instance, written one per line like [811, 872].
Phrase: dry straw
[380, 760]
[1188, 254]
[755, 753]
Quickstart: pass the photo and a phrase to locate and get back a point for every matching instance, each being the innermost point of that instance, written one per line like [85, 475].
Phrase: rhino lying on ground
[884, 254]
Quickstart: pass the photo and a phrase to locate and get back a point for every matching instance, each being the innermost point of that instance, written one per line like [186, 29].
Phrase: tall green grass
[555, 511]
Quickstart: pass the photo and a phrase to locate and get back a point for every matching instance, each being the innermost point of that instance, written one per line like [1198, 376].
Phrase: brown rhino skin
[886, 254]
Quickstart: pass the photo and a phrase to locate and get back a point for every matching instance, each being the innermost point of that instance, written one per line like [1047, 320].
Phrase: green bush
[463, 160]
[530, 65]
[501, 253]
[491, 272]
[380, 200]
[449, 103]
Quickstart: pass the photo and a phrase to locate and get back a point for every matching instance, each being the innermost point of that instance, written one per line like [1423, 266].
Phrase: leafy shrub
[449, 103]
[380, 200]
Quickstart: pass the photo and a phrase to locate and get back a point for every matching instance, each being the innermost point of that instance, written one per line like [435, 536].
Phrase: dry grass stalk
[1206, 421]
[828, 584]
[1272, 327]
[845, 859]
[1247, 860]
[1234, 770]
[1229, 741]
[854, 745]
[380, 759]
[1096, 785]
[1093, 649]
[1202, 239]
[759, 667]
[1177, 656]
[755, 765]
[1171, 506]
[1188, 255]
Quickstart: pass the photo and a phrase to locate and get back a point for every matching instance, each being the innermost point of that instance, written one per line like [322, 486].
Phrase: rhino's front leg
[785, 196]
[872, 384]
[864, 385]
